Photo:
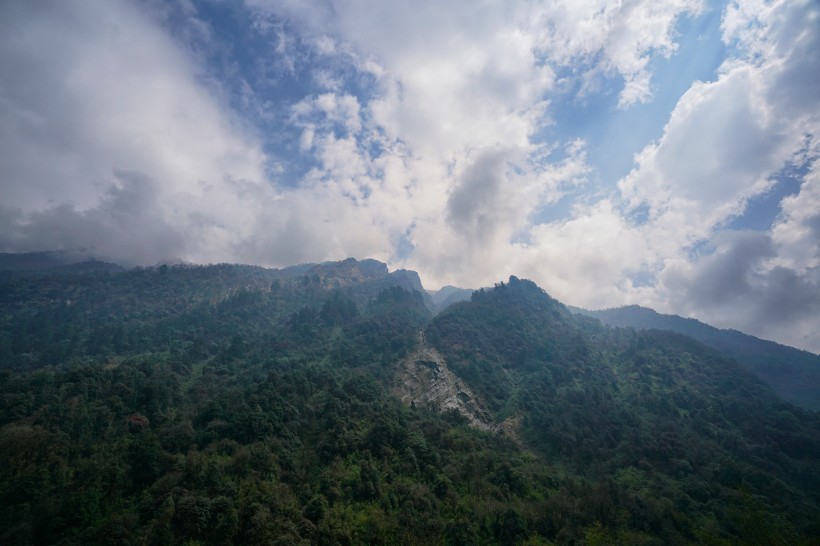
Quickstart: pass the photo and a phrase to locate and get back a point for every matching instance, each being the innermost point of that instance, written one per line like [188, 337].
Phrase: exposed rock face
[511, 428]
[423, 378]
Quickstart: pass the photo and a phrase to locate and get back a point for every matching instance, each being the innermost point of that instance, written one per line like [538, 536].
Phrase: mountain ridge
[794, 374]
[326, 403]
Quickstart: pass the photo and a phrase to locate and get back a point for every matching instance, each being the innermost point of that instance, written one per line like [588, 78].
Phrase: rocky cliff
[423, 378]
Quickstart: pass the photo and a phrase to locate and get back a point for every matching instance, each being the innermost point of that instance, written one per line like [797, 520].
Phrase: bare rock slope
[423, 379]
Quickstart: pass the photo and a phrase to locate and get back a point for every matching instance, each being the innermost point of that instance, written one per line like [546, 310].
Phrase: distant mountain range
[55, 261]
[793, 374]
[447, 296]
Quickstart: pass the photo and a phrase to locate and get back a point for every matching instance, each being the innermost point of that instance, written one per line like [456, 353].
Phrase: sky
[661, 153]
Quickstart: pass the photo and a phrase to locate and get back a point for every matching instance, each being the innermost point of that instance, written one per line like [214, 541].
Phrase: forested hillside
[241, 405]
[793, 374]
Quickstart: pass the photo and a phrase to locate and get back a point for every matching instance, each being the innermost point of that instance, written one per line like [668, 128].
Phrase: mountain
[50, 314]
[447, 296]
[324, 403]
[56, 262]
[31, 261]
[793, 374]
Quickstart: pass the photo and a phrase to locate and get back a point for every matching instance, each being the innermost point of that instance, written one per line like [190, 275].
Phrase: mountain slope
[236, 404]
[619, 403]
[793, 374]
[49, 315]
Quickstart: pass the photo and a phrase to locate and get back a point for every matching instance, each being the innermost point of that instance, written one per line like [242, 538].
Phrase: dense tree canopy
[231, 404]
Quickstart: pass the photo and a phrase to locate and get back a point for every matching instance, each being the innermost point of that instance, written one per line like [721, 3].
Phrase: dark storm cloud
[734, 287]
[473, 206]
[785, 296]
[726, 275]
[125, 226]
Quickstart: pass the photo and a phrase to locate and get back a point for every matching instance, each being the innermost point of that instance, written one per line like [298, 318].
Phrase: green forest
[194, 405]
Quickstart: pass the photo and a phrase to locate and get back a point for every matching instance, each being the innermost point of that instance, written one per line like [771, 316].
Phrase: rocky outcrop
[423, 378]
[511, 428]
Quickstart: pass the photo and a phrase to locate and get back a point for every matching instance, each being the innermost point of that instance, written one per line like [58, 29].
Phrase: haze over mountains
[325, 403]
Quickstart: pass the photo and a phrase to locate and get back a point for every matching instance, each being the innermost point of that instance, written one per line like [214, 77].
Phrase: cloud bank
[424, 135]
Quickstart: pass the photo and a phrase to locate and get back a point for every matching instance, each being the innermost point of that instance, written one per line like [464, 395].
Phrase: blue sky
[661, 153]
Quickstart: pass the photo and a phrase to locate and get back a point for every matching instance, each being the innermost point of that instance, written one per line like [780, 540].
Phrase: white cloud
[90, 90]
[724, 143]
[719, 148]
[797, 232]
[464, 75]
[330, 108]
[417, 134]
[462, 90]
[619, 37]
[580, 260]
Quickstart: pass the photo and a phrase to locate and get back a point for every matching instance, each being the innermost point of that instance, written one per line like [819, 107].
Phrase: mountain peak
[346, 272]
[522, 294]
